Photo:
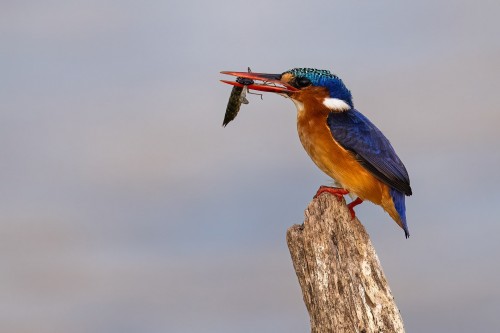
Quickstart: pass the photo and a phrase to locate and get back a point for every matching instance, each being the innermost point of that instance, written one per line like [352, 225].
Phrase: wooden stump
[342, 281]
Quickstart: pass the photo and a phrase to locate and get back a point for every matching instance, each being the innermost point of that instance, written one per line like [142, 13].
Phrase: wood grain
[342, 282]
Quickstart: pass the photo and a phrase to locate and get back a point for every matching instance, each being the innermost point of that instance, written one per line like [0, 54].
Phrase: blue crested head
[303, 77]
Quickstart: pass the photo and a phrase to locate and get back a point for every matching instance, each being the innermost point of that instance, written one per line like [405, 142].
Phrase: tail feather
[398, 198]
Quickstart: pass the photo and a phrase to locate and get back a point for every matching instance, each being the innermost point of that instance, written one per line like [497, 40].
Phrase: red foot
[353, 204]
[338, 192]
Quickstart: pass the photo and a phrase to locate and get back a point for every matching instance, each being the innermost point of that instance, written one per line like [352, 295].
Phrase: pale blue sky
[126, 207]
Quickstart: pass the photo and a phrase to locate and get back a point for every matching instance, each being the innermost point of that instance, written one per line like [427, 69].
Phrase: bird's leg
[353, 204]
[338, 192]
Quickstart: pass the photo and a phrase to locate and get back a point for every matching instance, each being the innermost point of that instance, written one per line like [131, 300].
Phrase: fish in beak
[255, 81]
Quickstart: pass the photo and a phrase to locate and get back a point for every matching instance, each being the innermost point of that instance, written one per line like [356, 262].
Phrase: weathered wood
[342, 282]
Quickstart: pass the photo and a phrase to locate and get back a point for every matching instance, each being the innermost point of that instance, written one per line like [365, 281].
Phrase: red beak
[269, 82]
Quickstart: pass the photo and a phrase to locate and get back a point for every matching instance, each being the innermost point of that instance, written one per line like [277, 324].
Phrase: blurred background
[126, 207]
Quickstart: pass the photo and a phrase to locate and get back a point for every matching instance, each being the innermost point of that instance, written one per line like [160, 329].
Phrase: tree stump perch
[342, 282]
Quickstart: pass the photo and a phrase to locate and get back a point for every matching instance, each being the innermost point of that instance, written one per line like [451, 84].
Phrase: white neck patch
[336, 104]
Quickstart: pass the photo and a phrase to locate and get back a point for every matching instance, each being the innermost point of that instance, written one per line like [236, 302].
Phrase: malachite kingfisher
[340, 140]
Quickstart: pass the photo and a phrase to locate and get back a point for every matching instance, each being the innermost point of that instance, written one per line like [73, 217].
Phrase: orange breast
[334, 160]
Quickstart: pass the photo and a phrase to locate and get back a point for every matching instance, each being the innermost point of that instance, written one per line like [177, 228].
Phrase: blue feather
[323, 78]
[354, 132]
[398, 199]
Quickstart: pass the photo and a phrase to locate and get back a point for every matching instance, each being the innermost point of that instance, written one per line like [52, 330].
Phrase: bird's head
[303, 86]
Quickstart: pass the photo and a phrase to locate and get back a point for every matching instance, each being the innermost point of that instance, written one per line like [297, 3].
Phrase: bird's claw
[338, 192]
[351, 206]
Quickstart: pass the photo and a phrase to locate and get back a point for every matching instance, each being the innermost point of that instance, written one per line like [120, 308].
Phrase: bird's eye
[302, 82]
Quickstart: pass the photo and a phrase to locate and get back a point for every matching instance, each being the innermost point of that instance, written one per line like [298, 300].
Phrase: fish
[237, 97]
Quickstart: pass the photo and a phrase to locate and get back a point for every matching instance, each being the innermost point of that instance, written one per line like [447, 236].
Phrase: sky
[126, 207]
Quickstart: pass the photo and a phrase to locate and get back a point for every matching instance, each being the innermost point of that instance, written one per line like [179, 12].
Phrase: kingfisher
[339, 139]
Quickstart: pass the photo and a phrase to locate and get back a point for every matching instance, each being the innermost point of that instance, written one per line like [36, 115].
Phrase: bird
[340, 140]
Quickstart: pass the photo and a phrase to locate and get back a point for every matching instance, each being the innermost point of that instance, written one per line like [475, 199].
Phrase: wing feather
[354, 132]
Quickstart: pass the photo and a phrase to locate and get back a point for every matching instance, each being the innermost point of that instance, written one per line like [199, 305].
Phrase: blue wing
[354, 132]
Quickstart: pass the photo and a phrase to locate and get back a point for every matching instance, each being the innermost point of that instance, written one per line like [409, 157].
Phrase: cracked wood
[342, 282]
